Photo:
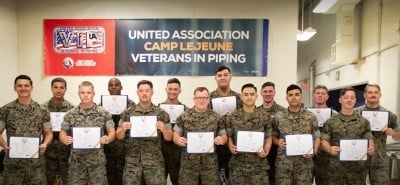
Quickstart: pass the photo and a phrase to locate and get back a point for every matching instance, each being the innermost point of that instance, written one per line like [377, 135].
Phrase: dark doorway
[333, 101]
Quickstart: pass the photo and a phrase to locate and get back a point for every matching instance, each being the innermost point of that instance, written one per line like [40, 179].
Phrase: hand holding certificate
[248, 141]
[353, 149]
[114, 104]
[200, 142]
[299, 144]
[23, 147]
[56, 118]
[143, 126]
[86, 137]
[378, 119]
[224, 105]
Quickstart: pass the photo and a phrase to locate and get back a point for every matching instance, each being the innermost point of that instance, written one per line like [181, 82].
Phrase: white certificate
[23, 147]
[200, 142]
[56, 118]
[173, 110]
[353, 149]
[114, 104]
[378, 119]
[248, 141]
[86, 137]
[224, 105]
[322, 114]
[300, 144]
[143, 126]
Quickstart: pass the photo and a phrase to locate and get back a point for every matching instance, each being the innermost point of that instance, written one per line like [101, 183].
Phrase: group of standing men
[149, 160]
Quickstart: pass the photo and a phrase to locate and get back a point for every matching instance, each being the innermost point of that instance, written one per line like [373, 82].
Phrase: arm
[65, 138]
[264, 153]
[391, 132]
[48, 137]
[232, 147]
[333, 150]
[121, 130]
[178, 140]
[166, 132]
[221, 140]
[280, 142]
[109, 137]
[3, 143]
[371, 147]
[317, 143]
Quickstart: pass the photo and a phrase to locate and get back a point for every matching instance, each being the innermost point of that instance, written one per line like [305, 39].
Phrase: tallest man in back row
[223, 77]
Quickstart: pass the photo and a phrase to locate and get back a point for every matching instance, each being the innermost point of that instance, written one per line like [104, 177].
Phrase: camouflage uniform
[143, 155]
[294, 169]
[248, 168]
[57, 153]
[272, 111]
[345, 127]
[24, 120]
[172, 157]
[115, 155]
[379, 162]
[89, 164]
[222, 150]
[195, 167]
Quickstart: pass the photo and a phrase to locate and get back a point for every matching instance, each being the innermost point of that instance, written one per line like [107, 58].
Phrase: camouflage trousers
[115, 156]
[293, 170]
[80, 174]
[320, 171]
[379, 175]
[172, 160]
[247, 174]
[341, 173]
[196, 168]
[136, 171]
[57, 155]
[24, 171]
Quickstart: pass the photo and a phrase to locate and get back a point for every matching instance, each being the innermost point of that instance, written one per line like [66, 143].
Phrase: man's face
[58, 89]
[372, 94]
[320, 96]
[86, 94]
[348, 100]
[114, 87]
[23, 88]
[173, 90]
[268, 94]
[294, 98]
[145, 92]
[201, 100]
[223, 78]
[249, 96]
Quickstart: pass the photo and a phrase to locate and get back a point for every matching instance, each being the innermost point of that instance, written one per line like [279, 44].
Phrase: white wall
[30, 14]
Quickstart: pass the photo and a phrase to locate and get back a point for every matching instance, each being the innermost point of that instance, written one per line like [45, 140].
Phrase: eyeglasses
[201, 98]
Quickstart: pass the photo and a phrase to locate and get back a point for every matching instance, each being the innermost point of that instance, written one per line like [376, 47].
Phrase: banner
[193, 47]
[79, 47]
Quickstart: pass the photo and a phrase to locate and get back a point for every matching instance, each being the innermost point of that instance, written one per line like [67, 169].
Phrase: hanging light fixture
[305, 34]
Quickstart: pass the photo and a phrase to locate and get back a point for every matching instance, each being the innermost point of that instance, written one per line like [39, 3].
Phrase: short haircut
[23, 77]
[174, 81]
[86, 83]
[249, 85]
[293, 87]
[344, 90]
[200, 89]
[59, 79]
[144, 82]
[372, 85]
[221, 68]
[268, 84]
[320, 87]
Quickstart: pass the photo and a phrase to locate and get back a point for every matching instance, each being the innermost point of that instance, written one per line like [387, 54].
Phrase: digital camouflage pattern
[143, 156]
[294, 169]
[195, 167]
[24, 120]
[248, 168]
[89, 164]
[345, 127]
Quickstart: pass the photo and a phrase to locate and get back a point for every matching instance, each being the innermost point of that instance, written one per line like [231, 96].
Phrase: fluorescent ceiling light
[324, 6]
[306, 34]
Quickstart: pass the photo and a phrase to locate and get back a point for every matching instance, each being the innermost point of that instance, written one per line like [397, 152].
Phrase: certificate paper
[299, 144]
[353, 149]
[247, 141]
[56, 118]
[224, 105]
[23, 147]
[86, 137]
[322, 114]
[200, 142]
[378, 119]
[173, 110]
[114, 104]
[143, 126]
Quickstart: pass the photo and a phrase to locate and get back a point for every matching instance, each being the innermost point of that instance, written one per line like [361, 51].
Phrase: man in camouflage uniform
[223, 79]
[87, 164]
[172, 152]
[25, 117]
[115, 151]
[379, 172]
[203, 166]
[143, 155]
[347, 124]
[296, 120]
[249, 168]
[57, 153]
[269, 104]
